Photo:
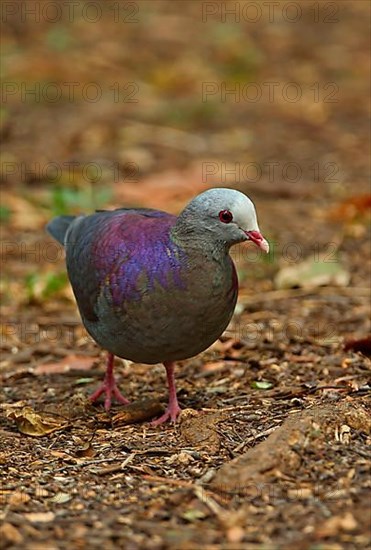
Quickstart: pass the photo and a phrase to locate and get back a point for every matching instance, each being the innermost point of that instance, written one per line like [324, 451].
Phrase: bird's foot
[172, 412]
[110, 389]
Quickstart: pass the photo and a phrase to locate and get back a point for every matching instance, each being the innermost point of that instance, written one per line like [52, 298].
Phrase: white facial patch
[244, 214]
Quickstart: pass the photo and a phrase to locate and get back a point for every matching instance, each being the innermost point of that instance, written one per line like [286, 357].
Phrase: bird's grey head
[226, 215]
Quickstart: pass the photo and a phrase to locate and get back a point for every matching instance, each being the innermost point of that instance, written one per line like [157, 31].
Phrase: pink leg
[109, 387]
[173, 409]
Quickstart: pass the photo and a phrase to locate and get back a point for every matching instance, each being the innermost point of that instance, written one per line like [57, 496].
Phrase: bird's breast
[168, 320]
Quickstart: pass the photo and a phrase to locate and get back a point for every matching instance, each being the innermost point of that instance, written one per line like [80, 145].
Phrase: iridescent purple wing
[125, 252]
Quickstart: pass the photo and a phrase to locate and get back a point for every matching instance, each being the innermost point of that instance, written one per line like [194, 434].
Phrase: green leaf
[313, 272]
[5, 214]
[53, 283]
[40, 286]
[66, 200]
[82, 381]
[261, 385]
[58, 38]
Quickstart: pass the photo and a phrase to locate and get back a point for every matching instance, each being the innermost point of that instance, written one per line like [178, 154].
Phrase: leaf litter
[100, 479]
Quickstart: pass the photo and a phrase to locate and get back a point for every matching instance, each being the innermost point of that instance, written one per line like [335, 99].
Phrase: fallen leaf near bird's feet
[313, 273]
[199, 429]
[140, 411]
[85, 449]
[36, 424]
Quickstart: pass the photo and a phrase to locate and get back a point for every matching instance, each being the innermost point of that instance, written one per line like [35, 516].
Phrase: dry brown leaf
[71, 362]
[351, 208]
[36, 424]
[225, 345]
[9, 533]
[212, 366]
[171, 187]
[359, 344]
[333, 525]
[199, 430]
[137, 412]
[40, 517]
[83, 447]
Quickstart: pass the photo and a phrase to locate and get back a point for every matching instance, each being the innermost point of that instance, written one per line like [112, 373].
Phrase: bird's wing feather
[126, 252]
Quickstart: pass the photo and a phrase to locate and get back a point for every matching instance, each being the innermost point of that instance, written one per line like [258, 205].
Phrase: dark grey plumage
[152, 287]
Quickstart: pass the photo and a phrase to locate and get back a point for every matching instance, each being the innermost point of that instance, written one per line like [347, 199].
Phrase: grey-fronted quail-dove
[156, 288]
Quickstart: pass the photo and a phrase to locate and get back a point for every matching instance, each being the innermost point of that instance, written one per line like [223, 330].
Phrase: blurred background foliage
[126, 103]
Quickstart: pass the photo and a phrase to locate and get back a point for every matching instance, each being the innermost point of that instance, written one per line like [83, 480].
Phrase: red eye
[225, 216]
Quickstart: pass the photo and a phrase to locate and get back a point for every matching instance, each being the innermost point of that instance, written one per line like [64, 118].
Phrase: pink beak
[258, 239]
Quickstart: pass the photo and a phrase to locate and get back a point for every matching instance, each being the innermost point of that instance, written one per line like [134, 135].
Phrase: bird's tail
[57, 228]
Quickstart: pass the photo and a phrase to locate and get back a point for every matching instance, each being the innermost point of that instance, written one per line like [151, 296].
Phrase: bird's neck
[194, 239]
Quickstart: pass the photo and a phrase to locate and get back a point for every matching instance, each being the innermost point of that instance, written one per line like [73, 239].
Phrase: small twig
[87, 463]
[329, 387]
[168, 481]
[210, 502]
[253, 438]
[127, 460]
[114, 468]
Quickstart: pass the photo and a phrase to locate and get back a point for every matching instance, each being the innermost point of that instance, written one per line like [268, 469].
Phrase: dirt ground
[272, 447]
